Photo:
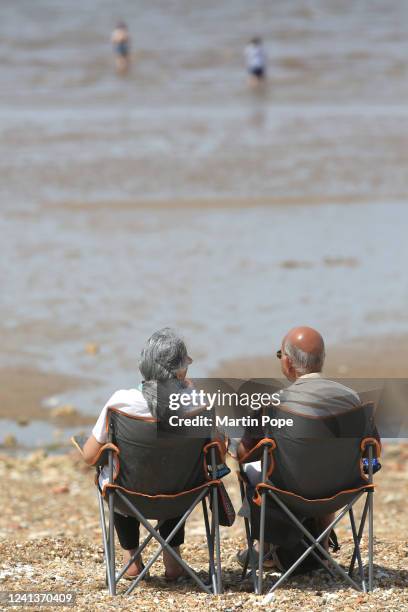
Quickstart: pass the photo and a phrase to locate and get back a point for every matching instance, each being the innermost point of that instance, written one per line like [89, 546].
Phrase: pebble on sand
[64, 411]
[91, 348]
[9, 441]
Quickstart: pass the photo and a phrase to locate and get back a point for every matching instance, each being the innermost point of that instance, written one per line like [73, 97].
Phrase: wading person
[121, 47]
[255, 62]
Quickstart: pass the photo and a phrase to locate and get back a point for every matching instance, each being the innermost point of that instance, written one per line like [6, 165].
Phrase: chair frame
[310, 542]
[209, 491]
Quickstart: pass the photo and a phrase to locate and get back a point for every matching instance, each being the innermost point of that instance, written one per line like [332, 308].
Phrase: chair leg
[315, 543]
[210, 544]
[359, 536]
[247, 532]
[261, 543]
[217, 541]
[370, 540]
[105, 541]
[138, 552]
[164, 544]
[319, 559]
[247, 558]
[112, 544]
[357, 549]
[250, 557]
[264, 463]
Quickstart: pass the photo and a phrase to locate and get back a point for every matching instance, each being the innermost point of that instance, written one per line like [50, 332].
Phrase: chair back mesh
[319, 457]
[156, 462]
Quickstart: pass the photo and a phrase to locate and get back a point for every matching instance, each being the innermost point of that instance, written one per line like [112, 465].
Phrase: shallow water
[38, 434]
[87, 156]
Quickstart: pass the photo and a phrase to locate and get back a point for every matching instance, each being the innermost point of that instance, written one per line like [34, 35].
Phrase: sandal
[242, 555]
[180, 578]
[133, 577]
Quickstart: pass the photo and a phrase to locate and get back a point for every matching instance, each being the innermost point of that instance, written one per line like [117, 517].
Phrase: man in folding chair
[148, 470]
[298, 477]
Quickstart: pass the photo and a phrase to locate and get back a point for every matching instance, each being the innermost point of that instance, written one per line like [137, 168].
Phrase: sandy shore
[23, 390]
[218, 203]
[49, 528]
[375, 357]
[50, 540]
[50, 536]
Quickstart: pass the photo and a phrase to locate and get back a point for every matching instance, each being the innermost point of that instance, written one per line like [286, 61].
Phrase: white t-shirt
[129, 401]
[255, 57]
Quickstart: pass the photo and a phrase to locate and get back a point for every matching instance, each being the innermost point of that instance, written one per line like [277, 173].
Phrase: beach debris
[91, 348]
[50, 540]
[9, 441]
[345, 262]
[36, 457]
[51, 402]
[60, 489]
[292, 264]
[65, 410]
[392, 498]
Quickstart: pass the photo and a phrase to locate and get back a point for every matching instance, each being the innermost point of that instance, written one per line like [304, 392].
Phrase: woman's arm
[91, 449]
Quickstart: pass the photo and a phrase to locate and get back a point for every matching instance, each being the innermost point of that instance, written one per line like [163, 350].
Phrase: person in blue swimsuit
[121, 46]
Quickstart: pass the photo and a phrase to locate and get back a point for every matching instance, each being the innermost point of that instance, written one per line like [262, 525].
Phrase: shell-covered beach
[50, 540]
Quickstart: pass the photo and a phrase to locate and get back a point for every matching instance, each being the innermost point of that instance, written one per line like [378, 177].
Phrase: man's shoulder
[320, 382]
[320, 392]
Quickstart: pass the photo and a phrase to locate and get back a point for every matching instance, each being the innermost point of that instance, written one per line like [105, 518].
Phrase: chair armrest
[220, 449]
[256, 452]
[367, 442]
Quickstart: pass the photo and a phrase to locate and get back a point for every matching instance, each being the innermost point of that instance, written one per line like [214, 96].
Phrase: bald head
[306, 339]
[304, 347]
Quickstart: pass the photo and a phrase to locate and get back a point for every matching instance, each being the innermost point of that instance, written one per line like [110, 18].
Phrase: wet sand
[377, 357]
[167, 197]
[234, 203]
[23, 391]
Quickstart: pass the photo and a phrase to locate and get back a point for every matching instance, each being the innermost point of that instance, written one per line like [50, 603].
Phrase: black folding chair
[159, 476]
[314, 470]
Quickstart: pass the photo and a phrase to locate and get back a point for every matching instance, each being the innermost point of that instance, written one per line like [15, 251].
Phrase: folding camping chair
[321, 464]
[157, 476]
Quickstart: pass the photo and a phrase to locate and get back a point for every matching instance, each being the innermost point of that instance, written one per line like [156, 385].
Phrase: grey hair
[163, 355]
[303, 362]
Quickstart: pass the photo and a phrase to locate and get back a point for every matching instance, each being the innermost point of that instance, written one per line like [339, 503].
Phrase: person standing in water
[121, 46]
[255, 61]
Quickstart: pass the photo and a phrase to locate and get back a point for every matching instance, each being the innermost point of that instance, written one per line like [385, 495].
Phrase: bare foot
[173, 569]
[136, 567]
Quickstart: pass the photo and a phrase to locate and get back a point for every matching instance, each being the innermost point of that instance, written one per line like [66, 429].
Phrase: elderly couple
[165, 359]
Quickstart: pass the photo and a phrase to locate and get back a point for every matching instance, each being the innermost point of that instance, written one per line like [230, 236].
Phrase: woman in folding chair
[163, 365]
